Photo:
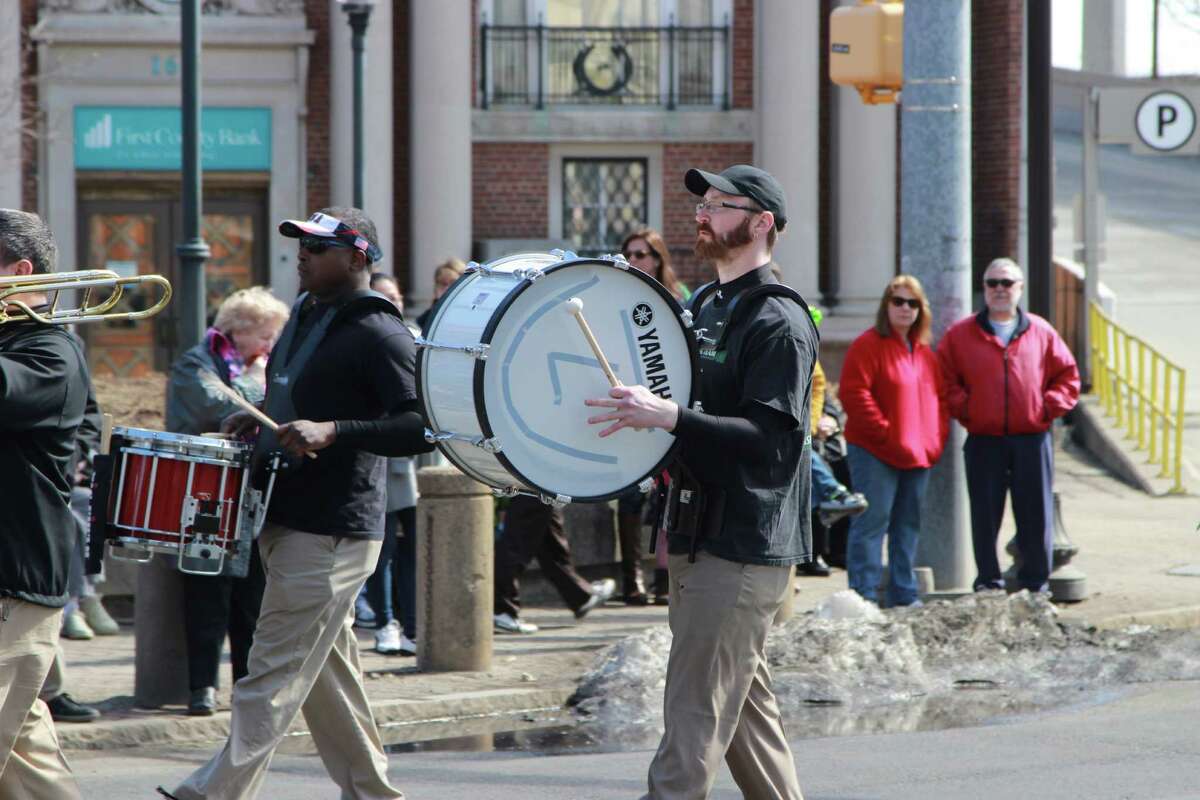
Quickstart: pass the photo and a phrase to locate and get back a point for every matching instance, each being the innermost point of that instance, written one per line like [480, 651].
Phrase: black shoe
[662, 587]
[166, 794]
[203, 702]
[64, 709]
[817, 568]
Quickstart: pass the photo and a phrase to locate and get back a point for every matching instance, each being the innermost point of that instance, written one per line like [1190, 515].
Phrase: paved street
[1153, 251]
[1141, 743]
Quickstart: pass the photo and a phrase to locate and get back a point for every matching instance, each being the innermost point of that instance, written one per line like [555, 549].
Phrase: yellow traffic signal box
[866, 44]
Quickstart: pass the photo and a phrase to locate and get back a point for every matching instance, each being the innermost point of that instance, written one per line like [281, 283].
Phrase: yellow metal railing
[1141, 390]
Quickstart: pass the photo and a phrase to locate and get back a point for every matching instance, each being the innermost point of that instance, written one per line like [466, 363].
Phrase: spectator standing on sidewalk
[896, 427]
[646, 251]
[444, 275]
[831, 499]
[1009, 375]
[393, 586]
[244, 330]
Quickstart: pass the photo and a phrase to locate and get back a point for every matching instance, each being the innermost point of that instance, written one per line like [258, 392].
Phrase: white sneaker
[507, 623]
[387, 639]
[408, 647]
[601, 592]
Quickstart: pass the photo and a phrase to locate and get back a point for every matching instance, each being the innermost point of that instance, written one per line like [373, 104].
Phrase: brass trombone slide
[86, 282]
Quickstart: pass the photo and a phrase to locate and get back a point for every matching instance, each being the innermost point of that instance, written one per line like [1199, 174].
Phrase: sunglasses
[630, 254]
[900, 302]
[318, 244]
[992, 283]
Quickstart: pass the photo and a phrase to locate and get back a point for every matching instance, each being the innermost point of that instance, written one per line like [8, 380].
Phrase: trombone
[111, 285]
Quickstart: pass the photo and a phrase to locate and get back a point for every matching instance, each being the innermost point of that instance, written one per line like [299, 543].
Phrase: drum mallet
[215, 383]
[575, 306]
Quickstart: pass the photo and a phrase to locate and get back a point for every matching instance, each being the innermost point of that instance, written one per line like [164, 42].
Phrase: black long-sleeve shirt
[43, 393]
[361, 377]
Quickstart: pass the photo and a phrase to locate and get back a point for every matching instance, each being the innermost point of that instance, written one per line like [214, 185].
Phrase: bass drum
[503, 370]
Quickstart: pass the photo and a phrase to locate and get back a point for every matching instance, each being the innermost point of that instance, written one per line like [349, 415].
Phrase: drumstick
[575, 306]
[212, 381]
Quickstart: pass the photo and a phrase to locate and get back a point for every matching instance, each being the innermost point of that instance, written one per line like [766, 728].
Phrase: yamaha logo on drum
[643, 315]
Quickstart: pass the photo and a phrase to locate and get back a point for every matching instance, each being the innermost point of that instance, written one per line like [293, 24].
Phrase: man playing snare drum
[341, 380]
[737, 517]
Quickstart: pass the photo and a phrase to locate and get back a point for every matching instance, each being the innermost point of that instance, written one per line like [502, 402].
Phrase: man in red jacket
[1008, 376]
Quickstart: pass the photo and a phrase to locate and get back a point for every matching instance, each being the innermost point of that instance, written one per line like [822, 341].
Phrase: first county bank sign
[151, 138]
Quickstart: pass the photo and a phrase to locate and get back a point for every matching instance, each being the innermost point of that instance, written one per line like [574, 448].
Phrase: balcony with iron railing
[669, 67]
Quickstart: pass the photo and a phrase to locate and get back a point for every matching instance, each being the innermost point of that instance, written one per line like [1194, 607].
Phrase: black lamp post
[192, 251]
[359, 14]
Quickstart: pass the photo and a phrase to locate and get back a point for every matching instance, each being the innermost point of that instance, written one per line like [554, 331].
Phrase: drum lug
[557, 501]
[686, 318]
[507, 491]
[487, 445]
[617, 260]
[646, 486]
[479, 351]
[530, 274]
[564, 255]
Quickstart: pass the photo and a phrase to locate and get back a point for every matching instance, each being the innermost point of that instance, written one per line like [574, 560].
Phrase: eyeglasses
[319, 244]
[632, 254]
[913, 303]
[711, 207]
[1007, 283]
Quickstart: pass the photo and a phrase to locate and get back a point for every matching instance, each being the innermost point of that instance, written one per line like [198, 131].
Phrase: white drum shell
[525, 327]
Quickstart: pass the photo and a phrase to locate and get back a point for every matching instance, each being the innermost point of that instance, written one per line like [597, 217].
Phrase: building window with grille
[604, 200]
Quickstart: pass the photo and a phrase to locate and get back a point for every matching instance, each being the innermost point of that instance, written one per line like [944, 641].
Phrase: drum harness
[686, 506]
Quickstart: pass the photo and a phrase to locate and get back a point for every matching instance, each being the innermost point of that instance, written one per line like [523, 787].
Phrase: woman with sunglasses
[646, 250]
[893, 395]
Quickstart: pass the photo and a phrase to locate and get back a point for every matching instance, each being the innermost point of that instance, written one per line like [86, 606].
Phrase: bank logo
[100, 135]
[643, 315]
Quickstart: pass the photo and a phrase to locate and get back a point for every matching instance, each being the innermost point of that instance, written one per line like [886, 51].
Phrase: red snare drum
[188, 496]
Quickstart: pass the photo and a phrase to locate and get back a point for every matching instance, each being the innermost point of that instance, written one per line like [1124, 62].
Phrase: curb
[159, 728]
[1180, 618]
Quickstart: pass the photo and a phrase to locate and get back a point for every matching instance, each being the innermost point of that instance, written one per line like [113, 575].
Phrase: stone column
[787, 45]
[10, 106]
[160, 672]
[378, 191]
[439, 141]
[1104, 36]
[455, 544]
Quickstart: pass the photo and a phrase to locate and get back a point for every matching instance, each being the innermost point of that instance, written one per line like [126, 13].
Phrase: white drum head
[540, 369]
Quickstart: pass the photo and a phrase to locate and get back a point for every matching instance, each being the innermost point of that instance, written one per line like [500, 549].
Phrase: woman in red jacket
[897, 422]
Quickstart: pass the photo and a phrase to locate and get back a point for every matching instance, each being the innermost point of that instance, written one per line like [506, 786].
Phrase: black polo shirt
[763, 373]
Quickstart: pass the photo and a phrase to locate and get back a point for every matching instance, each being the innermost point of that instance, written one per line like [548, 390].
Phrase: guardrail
[1135, 384]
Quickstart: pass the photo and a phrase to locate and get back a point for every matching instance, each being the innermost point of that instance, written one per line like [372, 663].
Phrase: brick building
[492, 126]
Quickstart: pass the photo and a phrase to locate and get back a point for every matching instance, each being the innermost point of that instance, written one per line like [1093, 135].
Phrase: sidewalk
[1128, 543]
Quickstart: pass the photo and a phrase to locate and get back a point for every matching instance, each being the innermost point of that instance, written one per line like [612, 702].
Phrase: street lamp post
[359, 14]
[192, 251]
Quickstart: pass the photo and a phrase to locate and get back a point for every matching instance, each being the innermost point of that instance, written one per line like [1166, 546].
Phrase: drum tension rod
[479, 351]
[487, 445]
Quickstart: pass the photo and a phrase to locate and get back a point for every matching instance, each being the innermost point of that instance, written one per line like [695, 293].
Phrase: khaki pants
[304, 659]
[32, 766]
[718, 702]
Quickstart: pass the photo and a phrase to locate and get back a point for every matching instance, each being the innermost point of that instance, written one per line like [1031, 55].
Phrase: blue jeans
[895, 498]
[823, 483]
[394, 582]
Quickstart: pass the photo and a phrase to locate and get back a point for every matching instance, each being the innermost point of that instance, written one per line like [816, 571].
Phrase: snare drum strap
[288, 361]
